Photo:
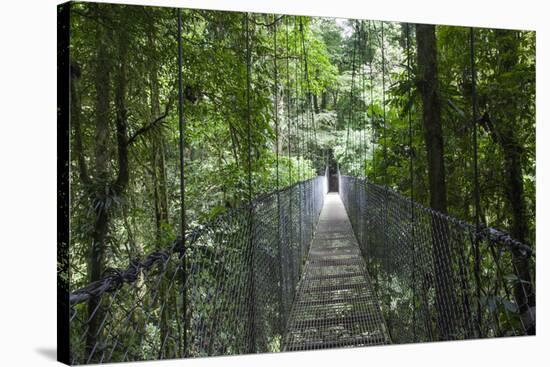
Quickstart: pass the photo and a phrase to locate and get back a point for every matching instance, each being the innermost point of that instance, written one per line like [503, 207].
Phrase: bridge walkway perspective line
[336, 304]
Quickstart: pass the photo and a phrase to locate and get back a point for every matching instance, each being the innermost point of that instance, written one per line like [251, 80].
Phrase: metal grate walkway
[335, 304]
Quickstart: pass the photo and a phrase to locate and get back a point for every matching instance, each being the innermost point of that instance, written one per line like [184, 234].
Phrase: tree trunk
[431, 113]
[158, 174]
[75, 114]
[503, 132]
[158, 153]
[101, 222]
[324, 100]
[433, 136]
[104, 185]
[315, 103]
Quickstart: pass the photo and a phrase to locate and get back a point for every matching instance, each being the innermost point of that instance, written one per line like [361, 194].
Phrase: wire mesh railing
[436, 277]
[231, 295]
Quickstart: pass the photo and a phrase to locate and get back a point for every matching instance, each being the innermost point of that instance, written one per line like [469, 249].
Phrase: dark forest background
[124, 167]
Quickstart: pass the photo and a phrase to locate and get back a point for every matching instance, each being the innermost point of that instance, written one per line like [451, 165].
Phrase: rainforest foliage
[277, 96]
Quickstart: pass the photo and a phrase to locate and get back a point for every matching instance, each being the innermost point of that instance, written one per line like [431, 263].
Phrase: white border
[28, 180]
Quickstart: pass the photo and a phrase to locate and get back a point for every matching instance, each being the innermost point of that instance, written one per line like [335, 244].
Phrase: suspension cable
[409, 118]
[299, 132]
[384, 138]
[276, 103]
[309, 116]
[354, 122]
[477, 200]
[181, 119]
[251, 311]
[363, 100]
[411, 170]
[474, 133]
[276, 118]
[248, 109]
[305, 105]
[289, 126]
[373, 125]
[385, 145]
[350, 118]
[313, 132]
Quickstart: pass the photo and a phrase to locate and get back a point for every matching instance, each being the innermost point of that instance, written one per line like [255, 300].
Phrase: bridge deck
[335, 304]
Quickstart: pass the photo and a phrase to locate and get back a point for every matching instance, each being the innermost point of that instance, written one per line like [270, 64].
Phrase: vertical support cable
[310, 126]
[363, 202]
[355, 164]
[354, 132]
[384, 138]
[308, 84]
[276, 118]
[289, 127]
[288, 112]
[305, 139]
[385, 145]
[476, 180]
[297, 104]
[305, 110]
[300, 144]
[371, 78]
[350, 110]
[252, 300]
[363, 99]
[411, 175]
[276, 103]
[181, 120]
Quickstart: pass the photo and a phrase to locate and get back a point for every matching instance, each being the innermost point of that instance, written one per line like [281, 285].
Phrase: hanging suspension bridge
[322, 270]
[331, 261]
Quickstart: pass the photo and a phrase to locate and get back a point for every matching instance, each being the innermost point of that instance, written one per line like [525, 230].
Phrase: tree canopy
[344, 86]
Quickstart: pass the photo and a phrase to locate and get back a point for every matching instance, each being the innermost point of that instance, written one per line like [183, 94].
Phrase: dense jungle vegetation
[319, 88]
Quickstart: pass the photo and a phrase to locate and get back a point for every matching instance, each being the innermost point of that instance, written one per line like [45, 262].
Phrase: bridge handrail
[464, 281]
[114, 278]
[491, 233]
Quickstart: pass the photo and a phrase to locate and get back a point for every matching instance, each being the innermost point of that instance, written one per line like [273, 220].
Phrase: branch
[487, 124]
[270, 24]
[143, 130]
[95, 16]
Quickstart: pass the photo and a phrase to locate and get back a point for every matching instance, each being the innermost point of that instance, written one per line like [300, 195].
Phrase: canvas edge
[63, 111]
